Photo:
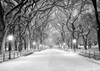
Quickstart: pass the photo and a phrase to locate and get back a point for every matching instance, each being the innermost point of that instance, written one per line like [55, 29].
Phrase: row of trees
[27, 19]
[18, 16]
[80, 22]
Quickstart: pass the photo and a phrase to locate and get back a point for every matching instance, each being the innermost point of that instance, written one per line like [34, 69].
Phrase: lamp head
[64, 43]
[10, 37]
[34, 43]
[74, 41]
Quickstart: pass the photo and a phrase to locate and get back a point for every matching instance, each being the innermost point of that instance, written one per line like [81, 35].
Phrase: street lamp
[34, 43]
[10, 38]
[64, 44]
[40, 45]
[74, 43]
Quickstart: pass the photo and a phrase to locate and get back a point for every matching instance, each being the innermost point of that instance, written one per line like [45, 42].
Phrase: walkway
[51, 60]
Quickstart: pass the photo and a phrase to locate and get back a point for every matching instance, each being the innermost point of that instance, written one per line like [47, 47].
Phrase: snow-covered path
[51, 60]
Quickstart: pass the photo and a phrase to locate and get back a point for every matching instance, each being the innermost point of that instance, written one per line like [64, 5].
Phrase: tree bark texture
[2, 26]
[97, 19]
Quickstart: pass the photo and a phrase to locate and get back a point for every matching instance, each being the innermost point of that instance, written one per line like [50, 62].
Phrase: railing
[90, 54]
[14, 55]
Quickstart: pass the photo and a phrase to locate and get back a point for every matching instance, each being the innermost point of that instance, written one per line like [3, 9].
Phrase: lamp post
[34, 46]
[10, 38]
[34, 43]
[40, 46]
[74, 44]
[64, 44]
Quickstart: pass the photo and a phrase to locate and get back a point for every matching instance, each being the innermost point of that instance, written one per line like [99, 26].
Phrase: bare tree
[97, 19]
[2, 26]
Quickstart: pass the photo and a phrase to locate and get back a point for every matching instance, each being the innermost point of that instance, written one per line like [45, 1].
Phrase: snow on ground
[51, 60]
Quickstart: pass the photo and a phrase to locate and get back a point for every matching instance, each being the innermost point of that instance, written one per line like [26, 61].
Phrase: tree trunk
[1, 42]
[97, 19]
[89, 45]
[68, 43]
[77, 44]
[85, 44]
[2, 27]
[62, 35]
[98, 34]
[20, 40]
[24, 44]
[16, 45]
[41, 36]
[29, 41]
